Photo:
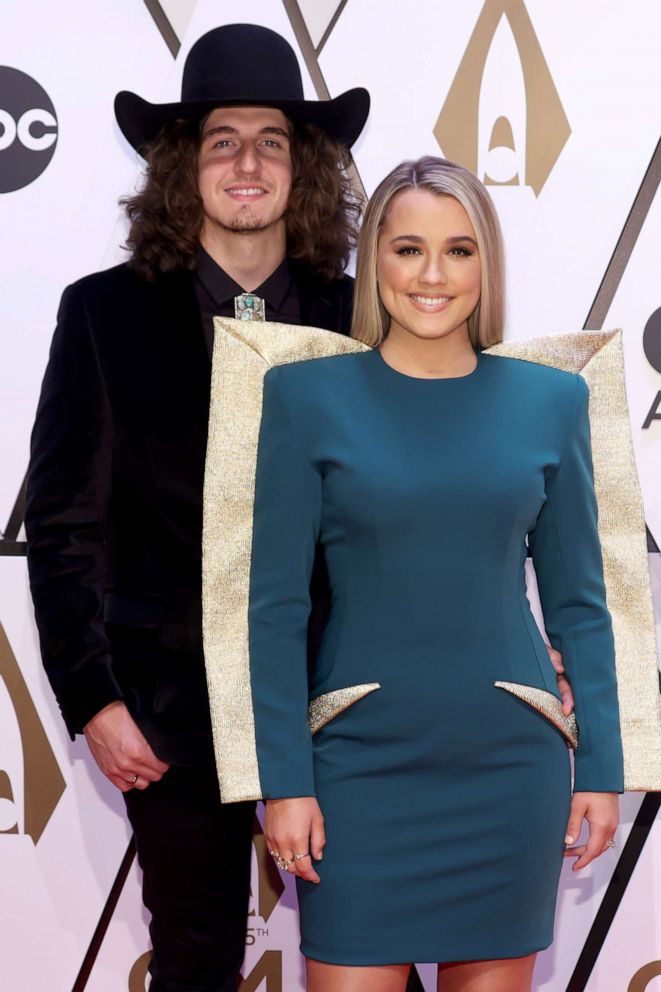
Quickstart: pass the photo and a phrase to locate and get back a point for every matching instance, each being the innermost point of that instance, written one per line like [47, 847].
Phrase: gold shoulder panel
[243, 353]
[597, 356]
[569, 352]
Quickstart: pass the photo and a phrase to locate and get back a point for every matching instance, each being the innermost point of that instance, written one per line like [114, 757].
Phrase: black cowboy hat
[242, 65]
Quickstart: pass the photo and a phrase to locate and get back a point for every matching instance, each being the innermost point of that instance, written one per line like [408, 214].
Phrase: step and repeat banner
[555, 105]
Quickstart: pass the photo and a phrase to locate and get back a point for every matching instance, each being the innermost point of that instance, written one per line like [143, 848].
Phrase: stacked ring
[282, 863]
[610, 843]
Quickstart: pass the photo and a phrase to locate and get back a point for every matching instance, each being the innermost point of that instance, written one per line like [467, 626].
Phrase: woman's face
[428, 266]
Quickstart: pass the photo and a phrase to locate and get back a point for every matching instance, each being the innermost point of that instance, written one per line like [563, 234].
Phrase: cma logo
[643, 978]
[266, 976]
[266, 973]
[28, 129]
[31, 783]
[503, 118]
[652, 349]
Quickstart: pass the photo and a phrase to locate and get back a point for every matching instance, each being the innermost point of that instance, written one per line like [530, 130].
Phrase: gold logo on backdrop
[268, 969]
[270, 889]
[42, 781]
[503, 118]
[269, 879]
[139, 972]
[644, 976]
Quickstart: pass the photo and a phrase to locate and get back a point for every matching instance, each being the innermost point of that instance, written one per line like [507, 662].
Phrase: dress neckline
[388, 369]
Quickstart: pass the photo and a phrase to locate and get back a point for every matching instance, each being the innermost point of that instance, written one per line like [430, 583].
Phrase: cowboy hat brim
[342, 118]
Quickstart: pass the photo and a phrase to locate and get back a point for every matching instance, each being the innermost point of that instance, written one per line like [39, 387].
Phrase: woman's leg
[507, 975]
[348, 978]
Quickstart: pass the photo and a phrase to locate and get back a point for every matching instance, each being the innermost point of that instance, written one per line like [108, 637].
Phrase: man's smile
[245, 192]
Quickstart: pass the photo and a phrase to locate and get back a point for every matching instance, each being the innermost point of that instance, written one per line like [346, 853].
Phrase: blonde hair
[371, 320]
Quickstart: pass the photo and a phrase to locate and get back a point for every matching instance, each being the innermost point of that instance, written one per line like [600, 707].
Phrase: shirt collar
[223, 288]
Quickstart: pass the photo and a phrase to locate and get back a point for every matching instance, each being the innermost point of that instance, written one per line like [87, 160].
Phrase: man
[246, 211]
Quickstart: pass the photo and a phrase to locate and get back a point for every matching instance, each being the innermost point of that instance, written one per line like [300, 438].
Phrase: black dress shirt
[215, 292]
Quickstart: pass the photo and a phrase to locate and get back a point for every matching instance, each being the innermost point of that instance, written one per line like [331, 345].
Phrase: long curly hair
[166, 214]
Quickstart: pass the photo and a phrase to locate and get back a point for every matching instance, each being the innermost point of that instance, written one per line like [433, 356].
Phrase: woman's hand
[601, 811]
[294, 830]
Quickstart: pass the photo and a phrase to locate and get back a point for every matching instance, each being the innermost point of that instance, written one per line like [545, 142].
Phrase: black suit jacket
[114, 500]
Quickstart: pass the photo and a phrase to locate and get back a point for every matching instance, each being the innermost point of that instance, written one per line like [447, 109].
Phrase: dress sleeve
[286, 524]
[567, 557]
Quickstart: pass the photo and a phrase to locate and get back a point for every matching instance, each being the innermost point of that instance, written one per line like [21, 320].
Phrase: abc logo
[28, 129]
[652, 340]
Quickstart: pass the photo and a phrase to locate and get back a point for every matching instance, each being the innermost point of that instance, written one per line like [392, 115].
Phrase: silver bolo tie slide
[247, 306]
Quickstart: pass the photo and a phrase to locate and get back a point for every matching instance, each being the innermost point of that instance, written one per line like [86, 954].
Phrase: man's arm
[68, 497]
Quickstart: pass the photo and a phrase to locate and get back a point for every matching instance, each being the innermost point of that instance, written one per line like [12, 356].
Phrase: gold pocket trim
[548, 705]
[324, 708]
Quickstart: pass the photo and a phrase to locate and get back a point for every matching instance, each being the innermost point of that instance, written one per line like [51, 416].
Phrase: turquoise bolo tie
[249, 307]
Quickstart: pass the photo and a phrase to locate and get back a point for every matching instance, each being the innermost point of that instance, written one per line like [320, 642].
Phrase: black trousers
[195, 857]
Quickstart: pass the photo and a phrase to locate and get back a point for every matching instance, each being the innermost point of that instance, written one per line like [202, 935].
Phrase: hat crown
[242, 65]
[242, 62]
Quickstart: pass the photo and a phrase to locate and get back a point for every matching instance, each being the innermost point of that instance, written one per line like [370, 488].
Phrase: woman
[437, 785]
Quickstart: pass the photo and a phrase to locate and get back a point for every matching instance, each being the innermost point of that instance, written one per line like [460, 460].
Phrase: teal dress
[440, 753]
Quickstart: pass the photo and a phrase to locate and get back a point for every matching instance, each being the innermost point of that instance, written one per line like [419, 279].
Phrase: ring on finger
[283, 863]
[299, 857]
[133, 779]
[610, 844]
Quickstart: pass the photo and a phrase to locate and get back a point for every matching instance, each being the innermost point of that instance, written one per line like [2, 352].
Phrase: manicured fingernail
[569, 839]
[320, 855]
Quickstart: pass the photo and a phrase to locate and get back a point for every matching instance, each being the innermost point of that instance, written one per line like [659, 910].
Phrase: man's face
[244, 168]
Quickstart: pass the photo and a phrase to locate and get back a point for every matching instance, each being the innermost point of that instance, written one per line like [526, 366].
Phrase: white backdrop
[566, 92]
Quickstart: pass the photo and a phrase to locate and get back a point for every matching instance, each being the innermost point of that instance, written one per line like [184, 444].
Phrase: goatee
[248, 225]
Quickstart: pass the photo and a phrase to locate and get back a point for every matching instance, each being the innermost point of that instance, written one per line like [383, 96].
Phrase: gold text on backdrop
[269, 879]
[43, 782]
[645, 975]
[268, 969]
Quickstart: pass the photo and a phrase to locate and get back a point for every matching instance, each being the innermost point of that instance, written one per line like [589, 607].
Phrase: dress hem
[367, 962]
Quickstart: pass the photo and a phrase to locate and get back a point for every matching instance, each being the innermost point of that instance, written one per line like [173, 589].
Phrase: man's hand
[121, 750]
[564, 687]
